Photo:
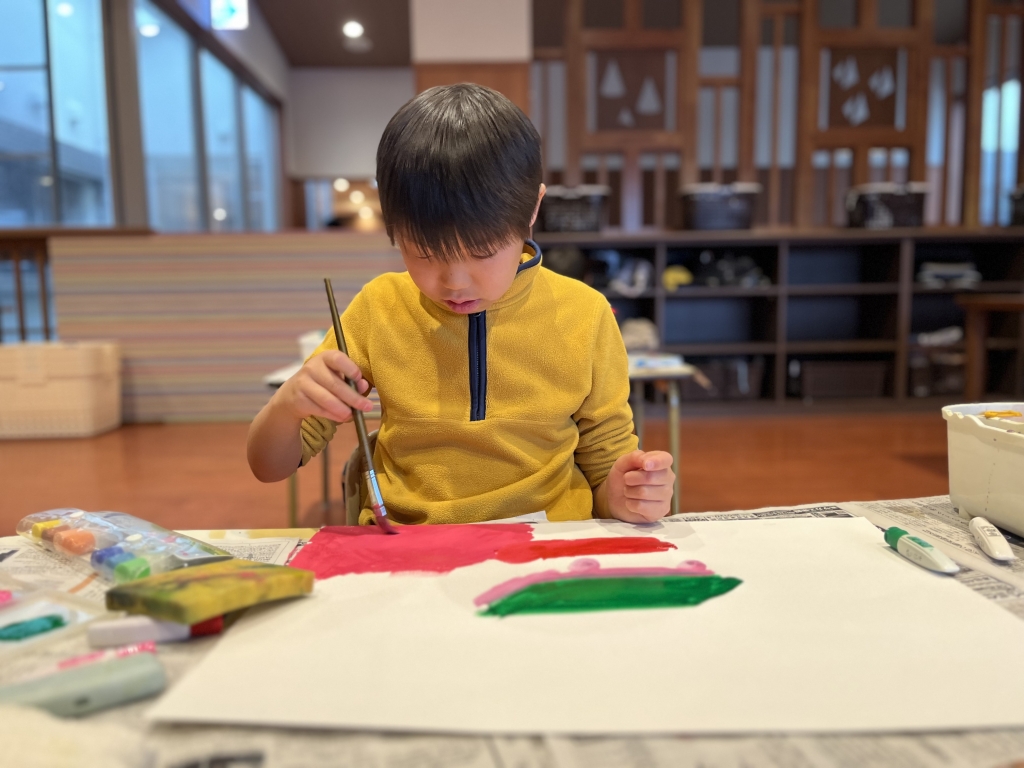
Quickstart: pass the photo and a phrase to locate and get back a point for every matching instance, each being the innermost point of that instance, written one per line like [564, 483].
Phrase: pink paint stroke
[587, 568]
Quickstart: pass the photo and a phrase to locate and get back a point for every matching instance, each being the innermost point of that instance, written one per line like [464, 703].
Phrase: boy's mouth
[463, 307]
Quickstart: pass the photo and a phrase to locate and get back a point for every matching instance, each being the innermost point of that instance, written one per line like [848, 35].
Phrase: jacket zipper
[478, 366]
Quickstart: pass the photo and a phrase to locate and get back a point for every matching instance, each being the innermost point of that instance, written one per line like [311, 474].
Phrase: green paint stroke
[22, 630]
[611, 594]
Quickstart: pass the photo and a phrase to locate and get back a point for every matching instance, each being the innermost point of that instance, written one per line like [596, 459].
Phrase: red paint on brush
[547, 549]
[336, 550]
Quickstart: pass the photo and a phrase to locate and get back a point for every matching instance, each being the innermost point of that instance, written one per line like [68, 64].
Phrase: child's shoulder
[569, 289]
[388, 287]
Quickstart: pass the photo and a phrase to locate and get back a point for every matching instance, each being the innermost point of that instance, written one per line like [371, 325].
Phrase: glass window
[261, 161]
[166, 80]
[223, 164]
[31, 192]
[80, 112]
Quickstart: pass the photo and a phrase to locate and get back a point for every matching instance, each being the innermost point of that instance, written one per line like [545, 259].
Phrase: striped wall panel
[202, 318]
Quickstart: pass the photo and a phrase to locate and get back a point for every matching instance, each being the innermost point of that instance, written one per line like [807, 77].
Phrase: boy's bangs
[450, 220]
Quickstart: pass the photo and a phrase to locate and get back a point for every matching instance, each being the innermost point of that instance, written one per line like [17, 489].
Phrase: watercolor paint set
[118, 546]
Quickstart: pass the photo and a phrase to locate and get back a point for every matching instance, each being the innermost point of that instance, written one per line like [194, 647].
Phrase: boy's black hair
[458, 172]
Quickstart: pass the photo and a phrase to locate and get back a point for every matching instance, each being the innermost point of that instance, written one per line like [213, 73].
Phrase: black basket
[841, 378]
[885, 205]
[574, 209]
[719, 206]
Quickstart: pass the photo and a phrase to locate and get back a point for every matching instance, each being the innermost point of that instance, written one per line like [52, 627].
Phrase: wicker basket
[59, 389]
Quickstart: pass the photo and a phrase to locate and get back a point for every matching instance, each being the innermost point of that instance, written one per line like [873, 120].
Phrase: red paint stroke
[587, 568]
[337, 550]
[550, 548]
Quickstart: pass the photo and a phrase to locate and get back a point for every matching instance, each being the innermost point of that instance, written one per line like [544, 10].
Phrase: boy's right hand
[320, 388]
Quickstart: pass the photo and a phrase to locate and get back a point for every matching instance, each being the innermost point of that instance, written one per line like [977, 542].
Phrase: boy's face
[471, 284]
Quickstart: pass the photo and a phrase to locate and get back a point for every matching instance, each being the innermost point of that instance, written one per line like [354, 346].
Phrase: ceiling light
[366, 212]
[357, 197]
[46, 181]
[352, 29]
[341, 185]
[65, 9]
[220, 214]
[149, 30]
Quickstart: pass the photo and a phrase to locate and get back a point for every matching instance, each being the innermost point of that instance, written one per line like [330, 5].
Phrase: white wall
[337, 115]
[259, 51]
[471, 30]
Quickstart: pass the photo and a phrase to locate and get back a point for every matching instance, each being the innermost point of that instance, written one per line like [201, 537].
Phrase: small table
[977, 307]
[672, 374]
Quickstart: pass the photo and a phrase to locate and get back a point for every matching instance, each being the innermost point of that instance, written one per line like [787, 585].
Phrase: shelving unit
[834, 295]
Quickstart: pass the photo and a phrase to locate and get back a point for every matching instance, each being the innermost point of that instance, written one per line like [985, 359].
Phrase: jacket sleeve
[315, 431]
[605, 420]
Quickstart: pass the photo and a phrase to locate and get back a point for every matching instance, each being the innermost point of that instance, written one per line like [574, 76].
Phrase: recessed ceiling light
[65, 9]
[341, 185]
[220, 214]
[149, 30]
[46, 181]
[366, 212]
[357, 197]
[352, 29]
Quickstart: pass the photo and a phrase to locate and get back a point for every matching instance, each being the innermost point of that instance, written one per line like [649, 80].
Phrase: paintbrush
[380, 512]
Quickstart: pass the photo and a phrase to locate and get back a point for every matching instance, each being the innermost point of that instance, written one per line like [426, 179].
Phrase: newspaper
[43, 569]
[779, 513]
[933, 518]
[274, 551]
[974, 750]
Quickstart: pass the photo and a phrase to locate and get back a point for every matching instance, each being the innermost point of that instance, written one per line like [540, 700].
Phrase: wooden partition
[806, 97]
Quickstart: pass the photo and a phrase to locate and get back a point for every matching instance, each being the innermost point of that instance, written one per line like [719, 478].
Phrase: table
[672, 374]
[978, 307]
[178, 746]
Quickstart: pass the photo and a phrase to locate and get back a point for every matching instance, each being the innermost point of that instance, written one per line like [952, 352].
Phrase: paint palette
[119, 547]
[41, 617]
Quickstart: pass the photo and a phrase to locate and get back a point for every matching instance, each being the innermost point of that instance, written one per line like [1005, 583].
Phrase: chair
[353, 489]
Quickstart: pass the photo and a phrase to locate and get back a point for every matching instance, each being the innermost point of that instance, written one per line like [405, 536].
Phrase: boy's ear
[536, 208]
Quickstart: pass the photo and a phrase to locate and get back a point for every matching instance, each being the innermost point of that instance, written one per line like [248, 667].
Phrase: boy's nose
[455, 279]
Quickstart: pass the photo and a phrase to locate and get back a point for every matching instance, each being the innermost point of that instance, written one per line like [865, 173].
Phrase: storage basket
[574, 209]
[719, 206]
[882, 205]
[58, 389]
[986, 464]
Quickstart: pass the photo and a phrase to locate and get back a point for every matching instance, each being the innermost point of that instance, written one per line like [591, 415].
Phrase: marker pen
[141, 629]
[990, 540]
[919, 551]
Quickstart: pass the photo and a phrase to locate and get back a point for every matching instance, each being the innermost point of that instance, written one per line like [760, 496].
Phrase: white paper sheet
[831, 631]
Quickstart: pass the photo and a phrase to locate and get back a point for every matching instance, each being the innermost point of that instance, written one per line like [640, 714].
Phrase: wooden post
[975, 89]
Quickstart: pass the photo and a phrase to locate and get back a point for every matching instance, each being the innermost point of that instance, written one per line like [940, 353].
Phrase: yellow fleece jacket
[521, 408]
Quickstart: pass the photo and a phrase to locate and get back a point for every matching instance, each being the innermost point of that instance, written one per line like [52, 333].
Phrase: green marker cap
[892, 535]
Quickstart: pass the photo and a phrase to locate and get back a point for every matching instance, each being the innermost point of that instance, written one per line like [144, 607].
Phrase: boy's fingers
[655, 460]
[340, 362]
[648, 510]
[340, 388]
[658, 477]
[648, 492]
[330, 406]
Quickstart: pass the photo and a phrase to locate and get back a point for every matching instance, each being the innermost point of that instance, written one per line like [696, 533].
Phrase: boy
[503, 385]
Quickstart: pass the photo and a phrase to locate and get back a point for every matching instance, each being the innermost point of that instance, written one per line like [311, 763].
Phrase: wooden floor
[196, 476]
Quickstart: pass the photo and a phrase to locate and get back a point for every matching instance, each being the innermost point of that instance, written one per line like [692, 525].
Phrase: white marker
[919, 551]
[991, 540]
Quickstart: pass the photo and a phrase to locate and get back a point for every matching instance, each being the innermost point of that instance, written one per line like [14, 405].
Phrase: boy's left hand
[640, 486]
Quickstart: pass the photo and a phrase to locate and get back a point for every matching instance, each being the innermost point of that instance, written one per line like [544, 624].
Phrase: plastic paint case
[118, 546]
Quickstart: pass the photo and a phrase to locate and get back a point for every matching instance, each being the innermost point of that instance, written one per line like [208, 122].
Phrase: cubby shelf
[817, 276]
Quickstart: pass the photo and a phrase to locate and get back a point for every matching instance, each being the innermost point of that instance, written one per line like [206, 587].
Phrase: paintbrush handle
[357, 415]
